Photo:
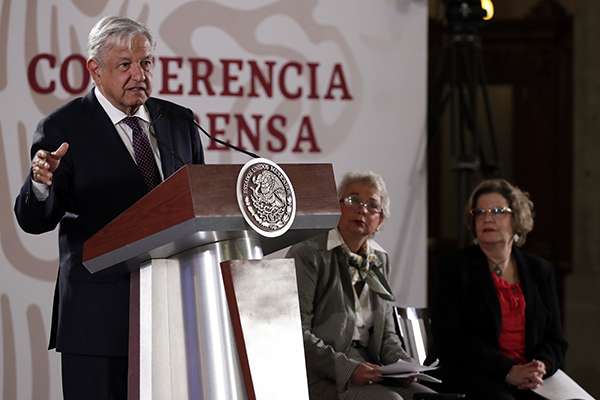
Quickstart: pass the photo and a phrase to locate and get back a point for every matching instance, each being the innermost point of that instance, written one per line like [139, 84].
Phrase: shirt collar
[114, 113]
[334, 239]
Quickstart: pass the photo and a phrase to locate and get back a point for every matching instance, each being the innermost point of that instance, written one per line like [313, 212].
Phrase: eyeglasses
[353, 201]
[495, 212]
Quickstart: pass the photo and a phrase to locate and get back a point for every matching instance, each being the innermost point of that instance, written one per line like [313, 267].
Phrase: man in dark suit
[91, 160]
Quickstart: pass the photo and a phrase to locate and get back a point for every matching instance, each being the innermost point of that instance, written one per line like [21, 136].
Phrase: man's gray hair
[112, 30]
[372, 179]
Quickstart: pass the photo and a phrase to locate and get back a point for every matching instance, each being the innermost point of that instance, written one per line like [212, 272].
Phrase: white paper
[420, 376]
[560, 386]
[403, 366]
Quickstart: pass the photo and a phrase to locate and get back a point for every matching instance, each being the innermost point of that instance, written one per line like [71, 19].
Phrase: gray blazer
[328, 317]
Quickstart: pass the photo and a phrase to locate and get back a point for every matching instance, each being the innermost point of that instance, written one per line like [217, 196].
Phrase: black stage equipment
[458, 85]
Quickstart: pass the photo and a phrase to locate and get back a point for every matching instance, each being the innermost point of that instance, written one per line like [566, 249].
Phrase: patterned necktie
[142, 152]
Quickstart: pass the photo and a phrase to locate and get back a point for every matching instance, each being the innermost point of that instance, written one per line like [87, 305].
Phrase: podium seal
[266, 197]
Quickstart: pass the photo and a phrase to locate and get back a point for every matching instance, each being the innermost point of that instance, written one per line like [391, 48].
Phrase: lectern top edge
[201, 198]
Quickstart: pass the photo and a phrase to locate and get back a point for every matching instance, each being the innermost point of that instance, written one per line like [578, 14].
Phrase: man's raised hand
[44, 164]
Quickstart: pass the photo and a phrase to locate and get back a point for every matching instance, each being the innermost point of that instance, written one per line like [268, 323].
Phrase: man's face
[124, 74]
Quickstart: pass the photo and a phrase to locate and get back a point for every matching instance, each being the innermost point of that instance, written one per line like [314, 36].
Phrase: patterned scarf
[369, 270]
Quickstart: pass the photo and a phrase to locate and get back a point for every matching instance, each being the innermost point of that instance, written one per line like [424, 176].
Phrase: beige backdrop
[343, 81]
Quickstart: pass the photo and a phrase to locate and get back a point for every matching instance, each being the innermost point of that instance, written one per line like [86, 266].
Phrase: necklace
[497, 270]
[497, 266]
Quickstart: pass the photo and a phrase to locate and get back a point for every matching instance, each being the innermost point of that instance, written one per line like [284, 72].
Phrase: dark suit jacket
[96, 180]
[466, 317]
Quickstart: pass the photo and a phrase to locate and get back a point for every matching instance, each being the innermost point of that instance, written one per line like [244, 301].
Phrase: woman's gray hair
[372, 179]
[111, 30]
[518, 201]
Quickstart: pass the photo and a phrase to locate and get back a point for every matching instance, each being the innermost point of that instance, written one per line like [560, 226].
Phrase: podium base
[182, 344]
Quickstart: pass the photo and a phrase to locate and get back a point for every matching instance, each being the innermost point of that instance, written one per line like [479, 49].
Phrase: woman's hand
[366, 374]
[526, 376]
[541, 367]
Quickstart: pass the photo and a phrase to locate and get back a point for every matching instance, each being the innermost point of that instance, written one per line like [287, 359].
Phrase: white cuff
[40, 190]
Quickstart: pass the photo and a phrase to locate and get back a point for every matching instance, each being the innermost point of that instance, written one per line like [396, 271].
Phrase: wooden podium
[176, 241]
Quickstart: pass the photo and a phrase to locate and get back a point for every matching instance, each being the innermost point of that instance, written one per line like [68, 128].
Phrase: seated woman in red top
[495, 315]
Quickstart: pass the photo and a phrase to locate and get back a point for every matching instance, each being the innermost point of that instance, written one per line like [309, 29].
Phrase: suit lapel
[108, 137]
[341, 260]
[376, 335]
[337, 259]
[103, 128]
[487, 289]
[160, 127]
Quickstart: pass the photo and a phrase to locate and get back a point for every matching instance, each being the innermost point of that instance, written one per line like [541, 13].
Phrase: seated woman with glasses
[346, 302]
[495, 315]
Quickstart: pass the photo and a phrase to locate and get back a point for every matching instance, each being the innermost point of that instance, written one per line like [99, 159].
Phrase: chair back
[414, 326]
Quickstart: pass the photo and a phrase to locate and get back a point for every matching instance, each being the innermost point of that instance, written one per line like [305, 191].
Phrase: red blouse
[512, 309]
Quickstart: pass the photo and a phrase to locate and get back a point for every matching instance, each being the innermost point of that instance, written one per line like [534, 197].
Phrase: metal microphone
[197, 125]
[223, 142]
[160, 143]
